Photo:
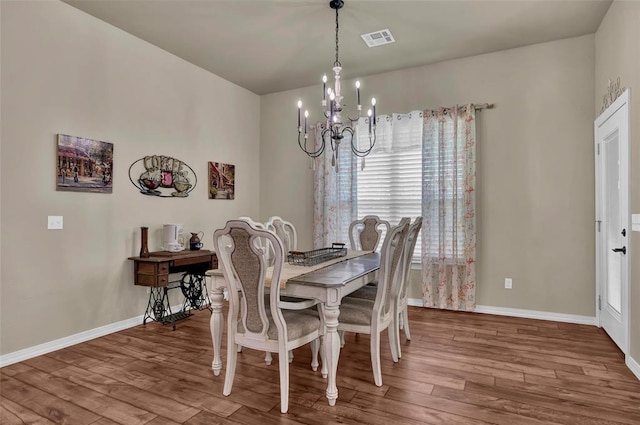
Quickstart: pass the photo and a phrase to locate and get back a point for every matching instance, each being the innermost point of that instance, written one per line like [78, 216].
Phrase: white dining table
[327, 284]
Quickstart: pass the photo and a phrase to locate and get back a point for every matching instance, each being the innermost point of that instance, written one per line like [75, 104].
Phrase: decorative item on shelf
[163, 176]
[195, 242]
[221, 180]
[172, 237]
[613, 92]
[336, 126]
[144, 245]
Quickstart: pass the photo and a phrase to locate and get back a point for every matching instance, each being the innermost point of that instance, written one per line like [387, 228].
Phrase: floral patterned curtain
[448, 208]
[334, 195]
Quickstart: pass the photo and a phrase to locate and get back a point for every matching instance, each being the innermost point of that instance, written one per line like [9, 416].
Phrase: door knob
[622, 250]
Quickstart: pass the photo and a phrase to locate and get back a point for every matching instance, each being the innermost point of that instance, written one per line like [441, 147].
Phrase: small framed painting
[221, 180]
[84, 165]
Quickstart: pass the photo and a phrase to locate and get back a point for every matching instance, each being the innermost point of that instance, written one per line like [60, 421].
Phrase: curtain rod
[476, 107]
[484, 106]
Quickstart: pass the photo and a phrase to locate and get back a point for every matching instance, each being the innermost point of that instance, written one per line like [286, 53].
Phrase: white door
[612, 220]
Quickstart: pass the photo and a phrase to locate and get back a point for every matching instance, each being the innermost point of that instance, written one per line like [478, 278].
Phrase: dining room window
[419, 166]
[390, 184]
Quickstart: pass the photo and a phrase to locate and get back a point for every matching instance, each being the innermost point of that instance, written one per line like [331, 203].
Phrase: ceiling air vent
[378, 38]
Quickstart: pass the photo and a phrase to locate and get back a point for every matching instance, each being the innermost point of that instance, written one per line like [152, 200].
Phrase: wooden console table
[153, 272]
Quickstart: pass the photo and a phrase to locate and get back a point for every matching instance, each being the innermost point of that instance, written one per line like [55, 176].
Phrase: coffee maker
[172, 237]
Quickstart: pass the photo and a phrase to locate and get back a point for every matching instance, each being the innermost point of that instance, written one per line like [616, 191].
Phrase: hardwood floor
[459, 368]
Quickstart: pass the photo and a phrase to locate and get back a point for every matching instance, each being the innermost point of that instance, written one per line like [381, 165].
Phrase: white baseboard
[539, 315]
[633, 366]
[527, 314]
[48, 347]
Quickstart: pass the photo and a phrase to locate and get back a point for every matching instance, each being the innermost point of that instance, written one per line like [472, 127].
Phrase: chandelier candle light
[336, 126]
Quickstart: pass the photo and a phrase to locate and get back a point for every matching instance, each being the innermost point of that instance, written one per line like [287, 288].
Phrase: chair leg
[341, 334]
[232, 356]
[394, 338]
[268, 358]
[405, 316]
[315, 347]
[239, 348]
[375, 358]
[283, 359]
[290, 356]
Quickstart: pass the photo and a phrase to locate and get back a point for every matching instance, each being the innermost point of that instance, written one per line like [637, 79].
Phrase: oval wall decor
[164, 176]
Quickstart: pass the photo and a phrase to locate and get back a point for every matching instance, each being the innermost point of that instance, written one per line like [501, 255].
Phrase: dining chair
[365, 233]
[285, 230]
[273, 326]
[369, 291]
[372, 317]
[401, 315]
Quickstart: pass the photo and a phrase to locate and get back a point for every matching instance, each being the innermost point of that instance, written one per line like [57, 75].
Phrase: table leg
[332, 347]
[217, 321]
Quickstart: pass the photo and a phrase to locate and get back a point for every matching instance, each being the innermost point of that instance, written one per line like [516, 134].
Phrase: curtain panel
[448, 208]
[334, 195]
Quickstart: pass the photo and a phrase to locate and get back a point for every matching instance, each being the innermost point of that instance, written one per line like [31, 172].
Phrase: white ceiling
[268, 46]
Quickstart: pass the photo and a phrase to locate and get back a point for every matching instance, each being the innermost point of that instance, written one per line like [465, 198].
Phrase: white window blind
[390, 186]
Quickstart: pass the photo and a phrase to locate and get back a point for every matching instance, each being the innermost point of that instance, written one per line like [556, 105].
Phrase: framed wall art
[221, 180]
[84, 165]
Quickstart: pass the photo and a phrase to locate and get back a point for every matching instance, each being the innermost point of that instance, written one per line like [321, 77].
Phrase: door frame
[623, 101]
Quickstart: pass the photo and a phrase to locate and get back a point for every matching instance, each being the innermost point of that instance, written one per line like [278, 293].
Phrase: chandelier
[337, 122]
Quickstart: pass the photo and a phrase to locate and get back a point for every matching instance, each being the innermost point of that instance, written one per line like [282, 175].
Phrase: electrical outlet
[54, 222]
[508, 283]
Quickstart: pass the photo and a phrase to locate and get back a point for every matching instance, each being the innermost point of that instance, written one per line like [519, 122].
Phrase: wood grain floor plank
[99, 403]
[45, 405]
[514, 390]
[45, 363]
[459, 368]
[126, 392]
[13, 414]
[206, 418]
[520, 354]
[391, 409]
[542, 347]
[480, 413]
[414, 363]
[632, 397]
[171, 392]
[500, 361]
[569, 379]
[544, 414]
[105, 421]
[260, 400]
[247, 416]
[15, 368]
[583, 393]
[71, 357]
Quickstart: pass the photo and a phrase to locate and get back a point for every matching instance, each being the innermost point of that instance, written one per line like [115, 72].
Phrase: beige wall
[535, 173]
[618, 55]
[64, 71]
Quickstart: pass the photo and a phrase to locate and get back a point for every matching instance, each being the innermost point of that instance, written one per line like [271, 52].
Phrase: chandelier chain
[337, 62]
